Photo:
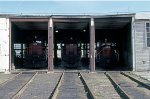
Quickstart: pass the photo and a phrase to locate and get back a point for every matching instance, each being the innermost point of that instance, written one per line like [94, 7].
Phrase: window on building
[19, 50]
[148, 34]
[17, 46]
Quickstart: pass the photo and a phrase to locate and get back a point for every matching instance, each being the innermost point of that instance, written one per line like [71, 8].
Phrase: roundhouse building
[130, 33]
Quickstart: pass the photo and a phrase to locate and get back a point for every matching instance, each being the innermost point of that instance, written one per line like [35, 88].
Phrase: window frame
[146, 34]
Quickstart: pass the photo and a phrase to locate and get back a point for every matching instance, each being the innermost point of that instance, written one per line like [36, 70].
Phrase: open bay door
[4, 44]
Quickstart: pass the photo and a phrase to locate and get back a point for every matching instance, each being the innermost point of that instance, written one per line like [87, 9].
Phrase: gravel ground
[100, 86]
[132, 88]
[71, 87]
[41, 86]
[145, 75]
[5, 77]
[138, 78]
[8, 90]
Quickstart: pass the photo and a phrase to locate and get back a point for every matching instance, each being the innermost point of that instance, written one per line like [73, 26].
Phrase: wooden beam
[92, 45]
[29, 20]
[50, 45]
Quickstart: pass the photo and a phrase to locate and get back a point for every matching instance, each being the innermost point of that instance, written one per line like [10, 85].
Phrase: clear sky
[101, 7]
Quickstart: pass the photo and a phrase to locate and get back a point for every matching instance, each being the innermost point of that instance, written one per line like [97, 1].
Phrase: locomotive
[35, 56]
[71, 56]
[107, 55]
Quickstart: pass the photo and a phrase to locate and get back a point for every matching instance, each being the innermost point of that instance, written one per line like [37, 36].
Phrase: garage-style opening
[29, 45]
[71, 43]
[113, 43]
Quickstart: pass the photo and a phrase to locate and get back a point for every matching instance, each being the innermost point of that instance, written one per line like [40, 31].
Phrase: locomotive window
[148, 34]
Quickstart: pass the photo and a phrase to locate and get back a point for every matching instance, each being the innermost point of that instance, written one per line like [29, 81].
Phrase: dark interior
[69, 30]
[71, 33]
[23, 34]
[116, 30]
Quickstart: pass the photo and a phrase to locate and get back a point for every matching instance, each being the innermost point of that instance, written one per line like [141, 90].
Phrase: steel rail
[2, 84]
[18, 94]
[136, 80]
[90, 93]
[120, 91]
[54, 93]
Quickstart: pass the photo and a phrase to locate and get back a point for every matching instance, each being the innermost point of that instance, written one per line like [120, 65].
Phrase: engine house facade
[90, 41]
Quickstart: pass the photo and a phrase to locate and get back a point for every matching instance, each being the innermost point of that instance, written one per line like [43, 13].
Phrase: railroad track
[3, 83]
[41, 86]
[116, 85]
[100, 86]
[29, 85]
[11, 88]
[71, 85]
[127, 86]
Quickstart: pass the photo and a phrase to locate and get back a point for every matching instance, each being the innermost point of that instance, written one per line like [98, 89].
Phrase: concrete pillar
[10, 47]
[92, 45]
[12, 51]
[50, 45]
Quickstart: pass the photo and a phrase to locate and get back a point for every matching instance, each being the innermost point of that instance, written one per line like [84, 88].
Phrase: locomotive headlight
[84, 30]
[56, 31]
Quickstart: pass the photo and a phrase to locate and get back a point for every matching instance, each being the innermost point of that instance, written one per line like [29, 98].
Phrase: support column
[21, 50]
[133, 45]
[55, 53]
[86, 47]
[10, 47]
[50, 45]
[92, 45]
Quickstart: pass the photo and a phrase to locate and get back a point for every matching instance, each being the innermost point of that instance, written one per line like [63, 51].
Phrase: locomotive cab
[71, 55]
[107, 55]
[35, 56]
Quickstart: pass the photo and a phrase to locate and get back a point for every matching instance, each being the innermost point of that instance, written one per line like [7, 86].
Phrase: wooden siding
[142, 53]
